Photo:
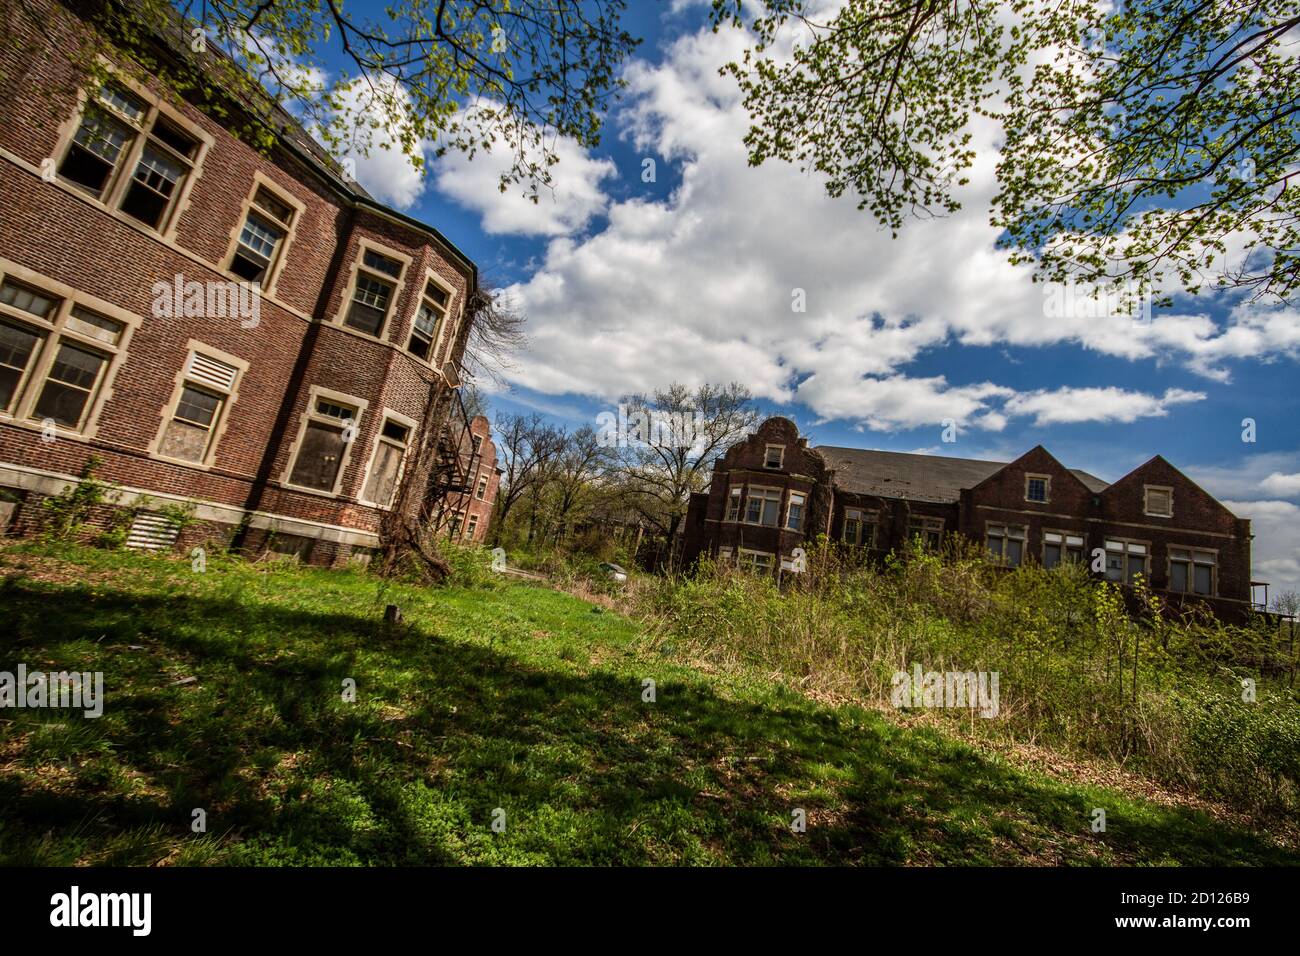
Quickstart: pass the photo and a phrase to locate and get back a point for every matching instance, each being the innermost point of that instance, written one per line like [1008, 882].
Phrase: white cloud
[698, 286]
[1285, 486]
[1072, 405]
[574, 197]
[1275, 552]
[386, 172]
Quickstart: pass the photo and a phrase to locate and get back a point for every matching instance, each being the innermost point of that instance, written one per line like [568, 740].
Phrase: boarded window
[319, 457]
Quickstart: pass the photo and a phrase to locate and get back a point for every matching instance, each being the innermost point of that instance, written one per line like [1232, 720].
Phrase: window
[262, 237]
[370, 298]
[1038, 488]
[17, 346]
[70, 385]
[1061, 546]
[762, 506]
[52, 366]
[860, 527]
[755, 560]
[1158, 502]
[387, 464]
[205, 389]
[157, 178]
[108, 126]
[481, 491]
[1007, 542]
[478, 443]
[457, 519]
[1192, 571]
[472, 526]
[724, 554]
[929, 530]
[111, 127]
[329, 429]
[733, 504]
[794, 512]
[429, 315]
[773, 456]
[1125, 560]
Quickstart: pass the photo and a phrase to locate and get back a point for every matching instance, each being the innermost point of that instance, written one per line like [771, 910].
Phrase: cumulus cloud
[575, 195]
[755, 274]
[1284, 486]
[1275, 552]
[1071, 405]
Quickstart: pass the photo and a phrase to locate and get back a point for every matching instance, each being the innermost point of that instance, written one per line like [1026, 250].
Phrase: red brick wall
[52, 229]
[487, 467]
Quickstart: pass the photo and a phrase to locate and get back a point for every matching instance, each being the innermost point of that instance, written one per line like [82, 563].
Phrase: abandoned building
[470, 511]
[246, 330]
[772, 493]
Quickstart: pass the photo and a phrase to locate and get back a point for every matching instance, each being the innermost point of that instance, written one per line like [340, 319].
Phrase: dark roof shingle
[895, 474]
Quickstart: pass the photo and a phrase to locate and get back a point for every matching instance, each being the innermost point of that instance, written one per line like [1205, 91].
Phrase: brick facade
[1154, 521]
[87, 252]
[473, 510]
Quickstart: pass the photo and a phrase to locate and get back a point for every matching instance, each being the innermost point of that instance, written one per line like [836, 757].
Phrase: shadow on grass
[444, 734]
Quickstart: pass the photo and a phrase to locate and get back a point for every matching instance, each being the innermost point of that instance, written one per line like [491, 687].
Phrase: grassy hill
[224, 691]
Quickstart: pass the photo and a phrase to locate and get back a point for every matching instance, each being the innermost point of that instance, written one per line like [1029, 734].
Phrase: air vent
[209, 371]
[152, 532]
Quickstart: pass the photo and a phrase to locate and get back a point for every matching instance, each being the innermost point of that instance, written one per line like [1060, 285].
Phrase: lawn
[225, 692]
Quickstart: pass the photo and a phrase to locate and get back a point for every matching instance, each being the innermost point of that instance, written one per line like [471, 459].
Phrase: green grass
[519, 698]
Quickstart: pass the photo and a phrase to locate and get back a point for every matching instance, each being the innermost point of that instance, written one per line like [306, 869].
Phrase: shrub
[1082, 666]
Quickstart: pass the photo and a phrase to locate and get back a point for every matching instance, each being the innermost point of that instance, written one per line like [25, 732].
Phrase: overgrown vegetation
[223, 692]
[1189, 701]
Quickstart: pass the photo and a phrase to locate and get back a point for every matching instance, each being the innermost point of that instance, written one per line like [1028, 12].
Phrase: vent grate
[152, 532]
[211, 372]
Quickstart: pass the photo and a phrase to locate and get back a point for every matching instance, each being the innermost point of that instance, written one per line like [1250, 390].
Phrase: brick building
[471, 510]
[772, 493]
[132, 227]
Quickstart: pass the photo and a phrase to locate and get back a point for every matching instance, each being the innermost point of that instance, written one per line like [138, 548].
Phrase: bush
[1078, 667]
[66, 515]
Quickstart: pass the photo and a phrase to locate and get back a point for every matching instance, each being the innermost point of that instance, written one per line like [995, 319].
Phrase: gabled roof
[895, 474]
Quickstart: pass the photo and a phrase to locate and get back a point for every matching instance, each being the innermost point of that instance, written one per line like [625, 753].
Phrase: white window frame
[113, 192]
[315, 395]
[803, 514]
[1047, 489]
[780, 457]
[409, 424]
[298, 209]
[1065, 540]
[359, 268]
[1126, 548]
[222, 417]
[52, 329]
[1146, 501]
[735, 503]
[440, 333]
[747, 559]
[763, 494]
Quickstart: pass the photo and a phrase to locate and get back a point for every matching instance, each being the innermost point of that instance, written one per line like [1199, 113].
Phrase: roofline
[340, 186]
[284, 139]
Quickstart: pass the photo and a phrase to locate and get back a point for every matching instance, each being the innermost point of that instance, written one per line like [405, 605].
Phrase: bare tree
[526, 445]
[688, 431]
[582, 461]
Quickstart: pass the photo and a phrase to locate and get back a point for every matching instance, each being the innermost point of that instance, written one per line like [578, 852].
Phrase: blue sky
[630, 284]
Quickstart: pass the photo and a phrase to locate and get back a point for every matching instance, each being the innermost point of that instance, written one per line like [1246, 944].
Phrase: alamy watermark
[651, 427]
[68, 690]
[1077, 300]
[192, 299]
[966, 690]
